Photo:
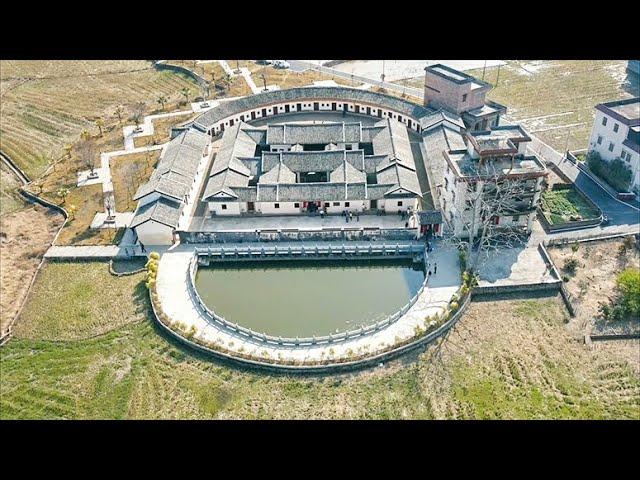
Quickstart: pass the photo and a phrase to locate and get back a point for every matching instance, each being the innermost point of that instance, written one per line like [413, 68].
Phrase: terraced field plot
[508, 359]
[46, 104]
[10, 199]
[555, 99]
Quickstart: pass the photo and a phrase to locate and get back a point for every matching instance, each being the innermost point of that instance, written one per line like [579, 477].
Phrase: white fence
[307, 341]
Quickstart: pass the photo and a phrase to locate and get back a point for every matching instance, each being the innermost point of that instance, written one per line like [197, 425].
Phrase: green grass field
[508, 359]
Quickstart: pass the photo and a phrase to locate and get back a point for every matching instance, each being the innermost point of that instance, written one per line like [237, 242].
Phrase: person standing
[435, 268]
[351, 215]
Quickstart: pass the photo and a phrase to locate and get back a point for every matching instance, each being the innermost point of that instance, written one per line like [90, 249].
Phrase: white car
[281, 64]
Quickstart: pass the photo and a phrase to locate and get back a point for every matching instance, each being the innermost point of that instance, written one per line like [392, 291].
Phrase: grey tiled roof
[305, 133]
[177, 167]
[439, 117]
[238, 106]
[162, 210]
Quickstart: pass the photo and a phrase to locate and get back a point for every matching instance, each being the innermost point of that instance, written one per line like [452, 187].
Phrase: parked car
[264, 62]
[281, 64]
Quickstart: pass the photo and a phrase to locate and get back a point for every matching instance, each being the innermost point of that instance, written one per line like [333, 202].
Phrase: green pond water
[299, 298]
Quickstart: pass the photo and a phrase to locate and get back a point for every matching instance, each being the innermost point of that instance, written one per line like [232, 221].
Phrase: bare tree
[491, 195]
[138, 112]
[162, 100]
[87, 153]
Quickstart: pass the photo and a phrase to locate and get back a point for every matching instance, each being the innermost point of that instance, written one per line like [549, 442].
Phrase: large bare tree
[87, 153]
[490, 195]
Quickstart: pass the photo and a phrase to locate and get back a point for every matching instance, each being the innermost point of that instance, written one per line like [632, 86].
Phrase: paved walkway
[302, 222]
[177, 301]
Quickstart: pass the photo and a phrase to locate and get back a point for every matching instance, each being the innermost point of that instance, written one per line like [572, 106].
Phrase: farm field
[24, 237]
[555, 99]
[505, 359]
[10, 199]
[560, 206]
[47, 104]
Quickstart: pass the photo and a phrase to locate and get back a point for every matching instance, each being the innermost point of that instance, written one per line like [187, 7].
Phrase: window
[336, 204]
[276, 205]
[464, 97]
[296, 205]
[611, 146]
[224, 207]
[599, 140]
[515, 218]
[326, 204]
[346, 204]
[604, 121]
[615, 128]
[400, 203]
[348, 147]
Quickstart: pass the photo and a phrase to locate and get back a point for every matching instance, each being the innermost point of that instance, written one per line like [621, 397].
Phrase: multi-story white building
[616, 134]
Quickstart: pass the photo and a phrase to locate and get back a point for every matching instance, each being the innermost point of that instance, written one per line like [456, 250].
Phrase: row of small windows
[624, 154]
[333, 106]
[615, 125]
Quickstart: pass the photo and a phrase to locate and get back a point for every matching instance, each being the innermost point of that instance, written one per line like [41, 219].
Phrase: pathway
[179, 304]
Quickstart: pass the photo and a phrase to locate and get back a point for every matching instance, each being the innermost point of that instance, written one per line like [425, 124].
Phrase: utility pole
[484, 69]
[498, 77]
[566, 147]
[382, 76]
[264, 81]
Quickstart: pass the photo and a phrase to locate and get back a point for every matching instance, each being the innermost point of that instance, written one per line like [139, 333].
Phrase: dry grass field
[24, 237]
[162, 130]
[10, 199]
[46, 104]
[555, 98]
[505, 359]
[594, 279]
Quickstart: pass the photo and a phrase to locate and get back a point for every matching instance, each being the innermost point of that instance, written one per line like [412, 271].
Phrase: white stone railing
[305, 341]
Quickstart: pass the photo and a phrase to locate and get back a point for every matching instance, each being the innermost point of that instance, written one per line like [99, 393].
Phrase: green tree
[100, 124]
[62, 193]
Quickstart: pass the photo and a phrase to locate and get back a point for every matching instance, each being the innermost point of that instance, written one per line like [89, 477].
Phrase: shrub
[616, 173]
[574, 247]
[454, 306]
[154, 256]
[462, 260]
[570, 265]
[628, 284]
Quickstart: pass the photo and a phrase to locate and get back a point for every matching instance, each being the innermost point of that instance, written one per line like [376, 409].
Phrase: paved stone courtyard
[302, 222]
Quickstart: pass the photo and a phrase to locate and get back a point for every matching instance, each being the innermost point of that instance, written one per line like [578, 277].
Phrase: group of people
[348, 216]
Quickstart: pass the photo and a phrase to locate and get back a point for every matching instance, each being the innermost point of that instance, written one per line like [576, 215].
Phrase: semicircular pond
[303, 299]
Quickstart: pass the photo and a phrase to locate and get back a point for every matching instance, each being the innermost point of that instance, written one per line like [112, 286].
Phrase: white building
[616, 134]
[293, 168]
[161, 200]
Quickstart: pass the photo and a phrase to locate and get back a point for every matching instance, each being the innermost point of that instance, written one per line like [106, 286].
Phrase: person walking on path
[435, 268]
[357, 216]
[351, 216]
